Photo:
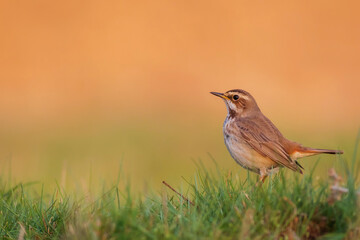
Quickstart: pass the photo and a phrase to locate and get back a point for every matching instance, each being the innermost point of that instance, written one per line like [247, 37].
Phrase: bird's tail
[318, 151]
[306, 151]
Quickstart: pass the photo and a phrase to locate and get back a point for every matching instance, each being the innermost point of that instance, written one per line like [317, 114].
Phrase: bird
[254, 142]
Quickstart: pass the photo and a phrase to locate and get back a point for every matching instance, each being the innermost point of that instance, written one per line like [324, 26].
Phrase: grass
[285, 207]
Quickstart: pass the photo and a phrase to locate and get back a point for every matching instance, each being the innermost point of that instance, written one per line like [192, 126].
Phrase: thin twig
[166, 184]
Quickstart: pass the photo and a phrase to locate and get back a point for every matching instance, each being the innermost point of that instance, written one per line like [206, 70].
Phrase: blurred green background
[89, 86]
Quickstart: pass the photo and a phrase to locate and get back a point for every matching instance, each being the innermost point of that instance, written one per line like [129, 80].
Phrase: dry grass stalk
[166, 184]
[22, 232]
[336, 190]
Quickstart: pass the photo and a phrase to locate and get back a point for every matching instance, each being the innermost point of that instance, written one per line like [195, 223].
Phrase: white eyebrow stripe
[245, 97]
[240, 95]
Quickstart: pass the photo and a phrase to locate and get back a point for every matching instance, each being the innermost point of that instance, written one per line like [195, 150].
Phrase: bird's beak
[219, 95]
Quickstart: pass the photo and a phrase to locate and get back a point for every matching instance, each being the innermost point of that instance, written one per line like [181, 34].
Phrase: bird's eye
[236, 97]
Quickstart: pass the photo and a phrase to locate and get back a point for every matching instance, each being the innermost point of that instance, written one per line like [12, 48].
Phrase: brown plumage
[254, 141]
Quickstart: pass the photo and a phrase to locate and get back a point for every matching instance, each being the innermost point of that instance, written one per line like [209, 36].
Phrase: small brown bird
[254, 141]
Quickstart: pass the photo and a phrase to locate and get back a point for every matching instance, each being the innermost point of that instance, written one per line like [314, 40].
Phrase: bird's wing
[266, 144]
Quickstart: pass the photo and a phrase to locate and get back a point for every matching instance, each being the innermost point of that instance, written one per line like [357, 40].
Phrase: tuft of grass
[31, 216]
[226, 208]
[220, 206]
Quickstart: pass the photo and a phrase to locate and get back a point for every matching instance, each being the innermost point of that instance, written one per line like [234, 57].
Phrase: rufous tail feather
[317, 151]
[305, 152]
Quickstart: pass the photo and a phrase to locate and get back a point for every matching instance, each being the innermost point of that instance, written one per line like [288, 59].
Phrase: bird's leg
[263, 176]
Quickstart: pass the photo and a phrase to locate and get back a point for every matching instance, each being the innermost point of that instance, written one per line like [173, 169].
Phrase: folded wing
[260, 141]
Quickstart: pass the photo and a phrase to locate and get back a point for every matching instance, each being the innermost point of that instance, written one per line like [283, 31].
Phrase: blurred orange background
[87, 84]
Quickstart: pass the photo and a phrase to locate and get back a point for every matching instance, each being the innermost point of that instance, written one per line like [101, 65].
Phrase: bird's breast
[241, 151]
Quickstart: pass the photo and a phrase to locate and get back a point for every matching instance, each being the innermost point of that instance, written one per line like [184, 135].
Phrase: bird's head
[238, 102]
